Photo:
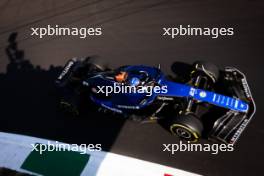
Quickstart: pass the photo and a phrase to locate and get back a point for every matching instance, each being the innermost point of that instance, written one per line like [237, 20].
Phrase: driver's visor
[121, 76]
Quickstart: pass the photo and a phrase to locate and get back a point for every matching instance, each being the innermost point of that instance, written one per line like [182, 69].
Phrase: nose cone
[243, 106]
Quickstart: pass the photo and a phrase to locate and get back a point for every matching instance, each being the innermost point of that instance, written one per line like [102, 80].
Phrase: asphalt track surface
[132, 34]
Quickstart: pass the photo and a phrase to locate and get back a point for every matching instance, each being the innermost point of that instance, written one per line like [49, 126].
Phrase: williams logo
[66, 69]
[245, 87]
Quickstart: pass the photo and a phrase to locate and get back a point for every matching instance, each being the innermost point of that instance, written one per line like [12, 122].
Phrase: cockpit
[132, 78]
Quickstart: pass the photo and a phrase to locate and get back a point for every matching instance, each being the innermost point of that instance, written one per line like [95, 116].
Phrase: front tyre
[187, 127]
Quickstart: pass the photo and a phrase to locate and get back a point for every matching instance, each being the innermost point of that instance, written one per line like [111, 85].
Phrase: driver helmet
[134, 81]
[121, 76]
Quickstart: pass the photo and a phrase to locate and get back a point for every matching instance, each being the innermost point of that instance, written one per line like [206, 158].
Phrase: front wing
[230, 126]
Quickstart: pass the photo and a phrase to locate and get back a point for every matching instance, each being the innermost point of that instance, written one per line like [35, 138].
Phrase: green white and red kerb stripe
[16, 153]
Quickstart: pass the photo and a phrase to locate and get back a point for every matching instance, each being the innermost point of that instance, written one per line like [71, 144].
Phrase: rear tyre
[187, 127]
[209, 69]
[96, 64]
[70, 105]
[86, 66]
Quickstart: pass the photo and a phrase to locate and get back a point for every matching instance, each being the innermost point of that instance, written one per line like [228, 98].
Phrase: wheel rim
[181, 132]
[184, 132]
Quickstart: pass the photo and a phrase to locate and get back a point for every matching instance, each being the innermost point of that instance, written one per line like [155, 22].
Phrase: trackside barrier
[16, 153]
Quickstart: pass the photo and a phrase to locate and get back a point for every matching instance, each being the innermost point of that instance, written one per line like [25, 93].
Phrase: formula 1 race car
[209, 103]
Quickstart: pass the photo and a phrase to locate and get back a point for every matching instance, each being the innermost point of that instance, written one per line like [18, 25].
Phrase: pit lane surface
[132, 34]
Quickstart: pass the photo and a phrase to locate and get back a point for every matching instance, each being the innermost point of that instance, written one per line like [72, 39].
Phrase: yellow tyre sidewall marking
[186, 128]
[69, 105]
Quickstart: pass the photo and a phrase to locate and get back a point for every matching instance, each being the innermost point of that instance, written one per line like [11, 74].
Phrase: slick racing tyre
[187, 127]
[209, 69]
[96, 64]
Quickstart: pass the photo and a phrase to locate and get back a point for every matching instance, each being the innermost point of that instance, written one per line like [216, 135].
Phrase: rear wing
[230, 126]
[66, 72]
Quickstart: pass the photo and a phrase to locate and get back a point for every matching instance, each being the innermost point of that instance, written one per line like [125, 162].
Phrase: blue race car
[208, 102]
